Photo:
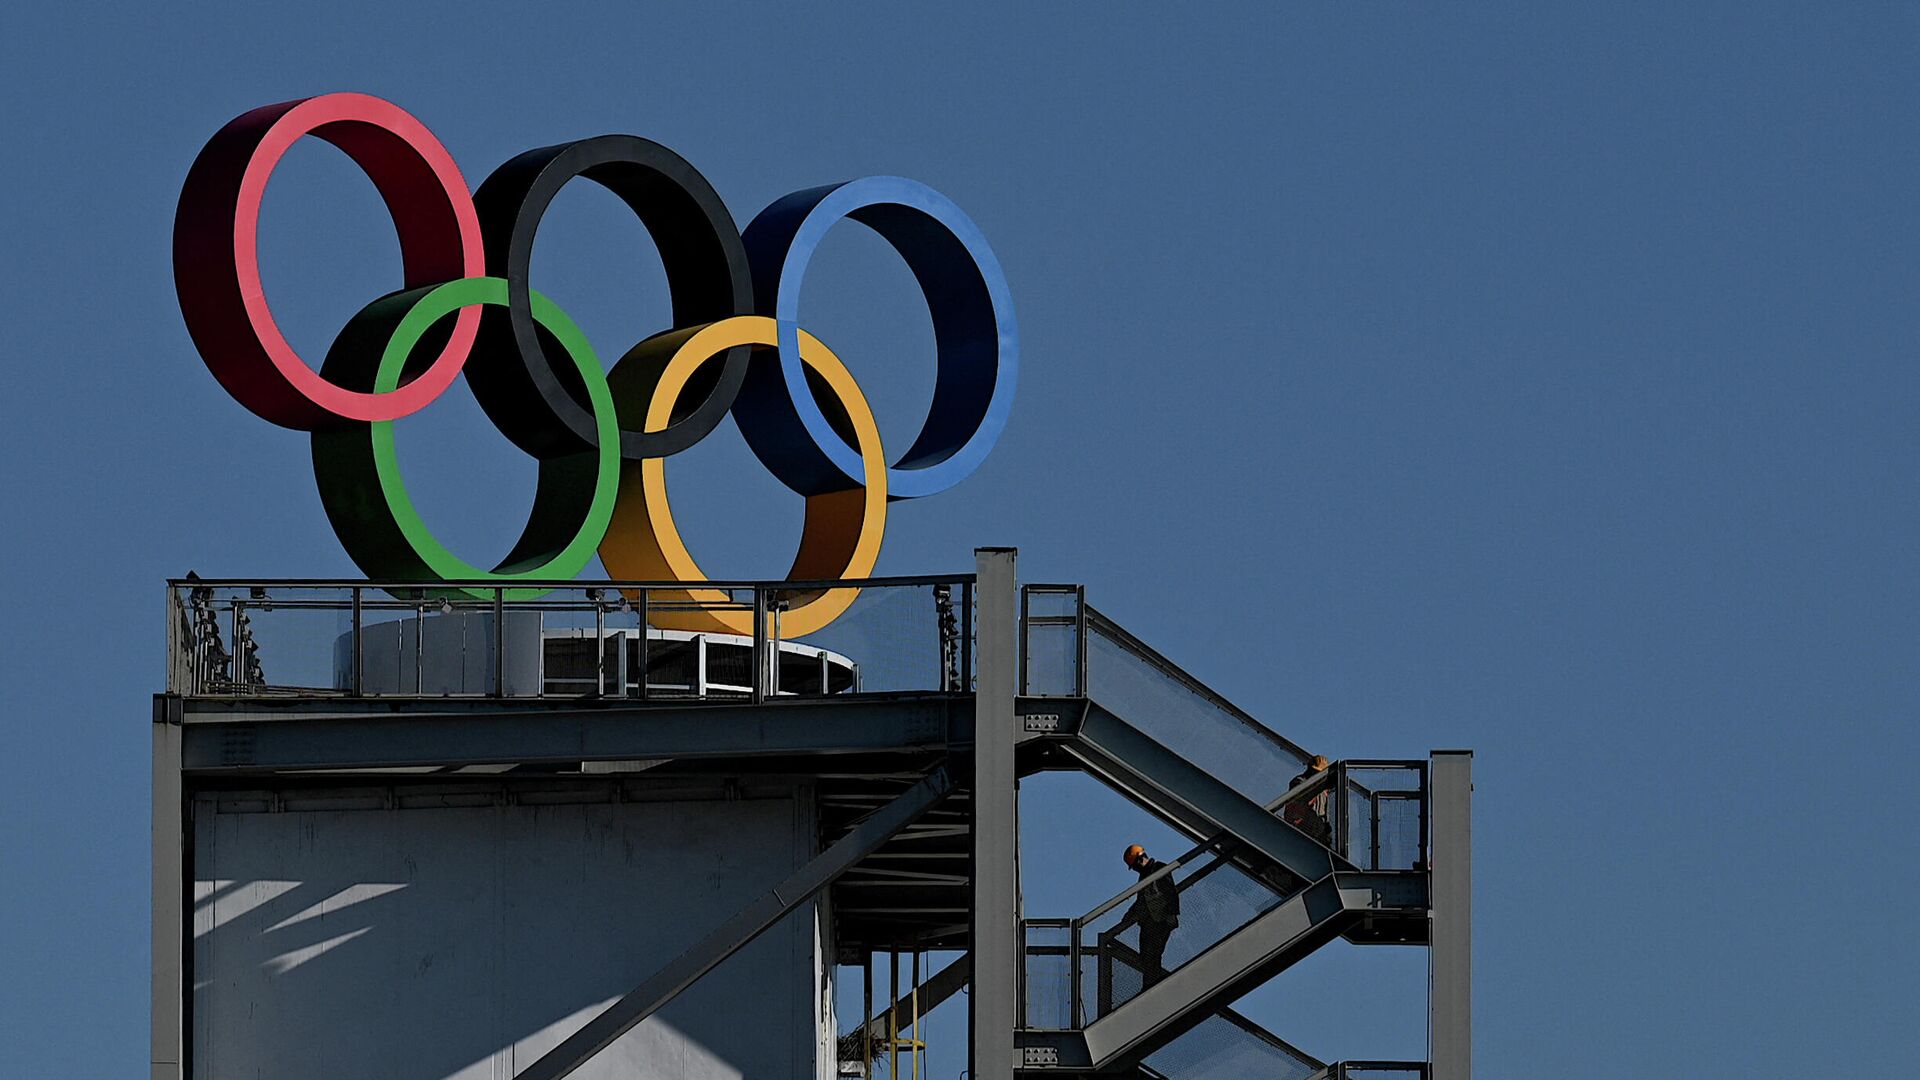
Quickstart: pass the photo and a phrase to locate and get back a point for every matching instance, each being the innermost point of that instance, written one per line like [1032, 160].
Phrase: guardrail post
[641, 651]
[1450, 1000]
[966, 637]
[773, 652]
[238, 671]
[1076, 1012]
[499, 643]
[599, 643]
[1080, 637]
[358, 677]
[996, 939]
[1337, 807]
[168, 1058]
[759, 645]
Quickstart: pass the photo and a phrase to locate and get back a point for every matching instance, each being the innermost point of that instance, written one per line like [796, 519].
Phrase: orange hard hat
[1134, 853]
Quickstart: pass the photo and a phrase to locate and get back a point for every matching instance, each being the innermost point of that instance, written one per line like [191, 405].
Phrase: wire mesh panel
[1397, 843]
[1052, 625]
[250, 640]
[1131, 946]
[1358, 841]
[1150, 693]
[1383, 810]
[893, 637]
[1049, 974]
[1050, 660]
[1227, 1046]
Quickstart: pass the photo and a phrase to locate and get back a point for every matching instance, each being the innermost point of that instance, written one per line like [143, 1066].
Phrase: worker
[1308, 813]
[1157, 909]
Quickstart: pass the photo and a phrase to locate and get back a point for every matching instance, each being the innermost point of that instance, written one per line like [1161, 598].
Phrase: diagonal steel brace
[734, 934]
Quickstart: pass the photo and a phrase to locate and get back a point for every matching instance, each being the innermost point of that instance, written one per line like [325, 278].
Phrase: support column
[996, 945]
[1450, 993]
[169, 894]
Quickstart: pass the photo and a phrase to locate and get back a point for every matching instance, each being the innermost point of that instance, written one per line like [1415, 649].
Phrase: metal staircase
[1257, 894]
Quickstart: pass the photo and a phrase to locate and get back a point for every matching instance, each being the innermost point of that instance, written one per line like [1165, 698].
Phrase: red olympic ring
[217, 267]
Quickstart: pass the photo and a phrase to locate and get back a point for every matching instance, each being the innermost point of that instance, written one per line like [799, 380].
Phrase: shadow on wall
[463, 943]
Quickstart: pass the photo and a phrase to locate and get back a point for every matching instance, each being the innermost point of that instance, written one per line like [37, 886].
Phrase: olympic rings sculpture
[600, 436]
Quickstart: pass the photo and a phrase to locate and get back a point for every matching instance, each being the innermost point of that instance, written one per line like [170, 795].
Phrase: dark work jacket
[1309, 814]
[1159, 903]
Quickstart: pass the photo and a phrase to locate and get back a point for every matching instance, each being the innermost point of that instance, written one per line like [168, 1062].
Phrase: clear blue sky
[1538, 379]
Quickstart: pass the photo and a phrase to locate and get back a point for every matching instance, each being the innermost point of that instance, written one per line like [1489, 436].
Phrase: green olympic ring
[577, 487]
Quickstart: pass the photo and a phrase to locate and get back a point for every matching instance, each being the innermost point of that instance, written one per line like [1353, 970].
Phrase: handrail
[1222, 847]
[1340, 812]
[1343, 1070]
[1297, 791]
[1096, 622]
[746, 613]
[566, 583]
[1137, 886]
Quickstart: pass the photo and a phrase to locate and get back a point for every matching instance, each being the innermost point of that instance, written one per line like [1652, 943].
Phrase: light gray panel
[462, 943]
[444, 654]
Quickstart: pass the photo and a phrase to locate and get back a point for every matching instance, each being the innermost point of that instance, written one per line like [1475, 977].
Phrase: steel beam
[1450, 995]
[1186, 795]
[931, 993]
[996, 873]
[1229, 967]
[227, 739]
[1244, 959]
[169, 895]
[739, 931]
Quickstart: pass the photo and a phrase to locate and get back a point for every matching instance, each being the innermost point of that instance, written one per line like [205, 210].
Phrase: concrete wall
[462, 943]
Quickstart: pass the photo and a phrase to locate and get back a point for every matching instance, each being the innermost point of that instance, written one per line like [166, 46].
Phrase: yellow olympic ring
[842, 532]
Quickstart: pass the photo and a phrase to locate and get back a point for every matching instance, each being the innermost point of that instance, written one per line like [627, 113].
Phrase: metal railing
[1130, 948]
[1379, 822]
[1053, 641]
[571, 639]
[1379, 1070]
[1078, 970]
[1069, 649]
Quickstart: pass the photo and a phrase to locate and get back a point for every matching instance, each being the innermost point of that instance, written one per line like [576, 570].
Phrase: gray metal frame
[235, 732]
[1183, 793]
[737, 932]
[1343, 785]
[1229, 851]
[236, 737]
[928, 995]
[171, 906]
[224, 737]
[1450, 997]
[1100, 624]
[1077, 620]
[1251, 955]
[997, 966]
